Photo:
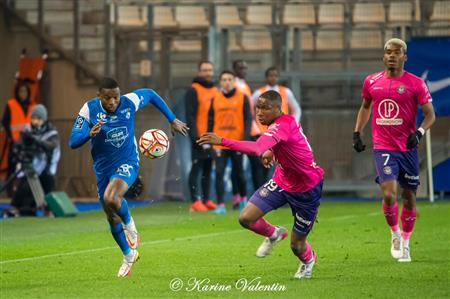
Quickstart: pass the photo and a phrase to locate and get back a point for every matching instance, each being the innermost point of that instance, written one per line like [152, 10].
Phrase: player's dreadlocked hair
[107, 83]
[272, 96]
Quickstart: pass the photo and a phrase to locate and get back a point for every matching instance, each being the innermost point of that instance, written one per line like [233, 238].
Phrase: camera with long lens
[25, 151]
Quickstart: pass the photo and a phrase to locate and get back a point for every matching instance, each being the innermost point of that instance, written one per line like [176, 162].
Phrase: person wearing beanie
[39, 111]
[41, 139]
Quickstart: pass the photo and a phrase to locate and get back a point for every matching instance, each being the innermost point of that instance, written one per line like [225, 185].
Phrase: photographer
[37, 152]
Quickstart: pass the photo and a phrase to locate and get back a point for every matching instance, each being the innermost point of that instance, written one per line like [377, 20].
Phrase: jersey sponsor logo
[411, 177]
[117, 136]
[387, 170]
[79, 122]
[300, 220]
[101, 116]
[388, 111]
[401, 89]
[124, 170]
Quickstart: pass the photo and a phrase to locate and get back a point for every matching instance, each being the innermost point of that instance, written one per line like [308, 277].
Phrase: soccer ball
[154, 143]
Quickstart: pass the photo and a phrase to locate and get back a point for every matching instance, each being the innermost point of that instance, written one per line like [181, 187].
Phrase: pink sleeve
[256, 148]
[365, 89]
[422, 93]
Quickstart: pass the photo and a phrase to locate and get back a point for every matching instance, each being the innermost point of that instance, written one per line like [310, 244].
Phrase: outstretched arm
[144, 96]
[256, 148]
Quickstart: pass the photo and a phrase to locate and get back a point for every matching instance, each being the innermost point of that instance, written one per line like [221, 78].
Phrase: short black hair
[270, 69]
[202, 62]
[107, 83]
[236, 62]
[272, 96]
[226, 72]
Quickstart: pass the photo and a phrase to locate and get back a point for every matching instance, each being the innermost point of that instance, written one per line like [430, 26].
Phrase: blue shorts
[397, 166]
[304, 205]
[126, 171]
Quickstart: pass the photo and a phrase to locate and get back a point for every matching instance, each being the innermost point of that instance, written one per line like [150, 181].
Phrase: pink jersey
[295, 170]
[395, 102]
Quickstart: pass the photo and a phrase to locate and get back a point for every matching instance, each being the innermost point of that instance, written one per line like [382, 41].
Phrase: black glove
[357, 142]
[413, 139]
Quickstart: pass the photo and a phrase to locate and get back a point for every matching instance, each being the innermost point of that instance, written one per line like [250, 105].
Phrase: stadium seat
[51, 17]
[368, 13]
[48, 5]
[186, 45]
[227, 15]
[331, 13]
[440, 28]
[234, 43]
[306, 40]
[441, 11]
[163, 17]
[256, 40]
[26, 4]
[400, 12]
[366, 39]
[299, 14]
[191, 16]
[330, 40]
[132, 15]
[259, 14]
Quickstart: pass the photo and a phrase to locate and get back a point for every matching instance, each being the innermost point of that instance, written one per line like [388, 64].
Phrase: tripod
[32, 180]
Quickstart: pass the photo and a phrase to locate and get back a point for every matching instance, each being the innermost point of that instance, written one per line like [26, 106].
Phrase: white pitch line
[27, 259]
[155, 242]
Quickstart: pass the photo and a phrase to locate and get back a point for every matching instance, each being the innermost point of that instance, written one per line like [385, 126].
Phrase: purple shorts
[398, 166]
[304, 205]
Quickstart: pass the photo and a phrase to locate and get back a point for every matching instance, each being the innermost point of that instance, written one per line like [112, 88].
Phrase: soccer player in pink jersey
[297, 180]
[393, 96]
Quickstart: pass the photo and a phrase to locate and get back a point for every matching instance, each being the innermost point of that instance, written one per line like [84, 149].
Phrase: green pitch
[77, 257]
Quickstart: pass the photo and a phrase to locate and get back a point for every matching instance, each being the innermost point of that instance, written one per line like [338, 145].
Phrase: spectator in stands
[289, 105]
[16, 117]
[230, 117]
[38, 151]
[198, 101]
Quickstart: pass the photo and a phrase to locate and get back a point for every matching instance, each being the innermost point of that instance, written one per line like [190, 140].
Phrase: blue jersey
[115, 143]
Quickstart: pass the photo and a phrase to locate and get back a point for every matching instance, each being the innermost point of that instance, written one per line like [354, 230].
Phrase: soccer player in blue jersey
[108, 122]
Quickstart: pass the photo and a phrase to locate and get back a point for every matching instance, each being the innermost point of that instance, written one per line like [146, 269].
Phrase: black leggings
[201, 166]
[221, 163]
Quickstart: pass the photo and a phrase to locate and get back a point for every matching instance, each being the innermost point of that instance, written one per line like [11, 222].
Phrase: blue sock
[124, 212]
[119, 236]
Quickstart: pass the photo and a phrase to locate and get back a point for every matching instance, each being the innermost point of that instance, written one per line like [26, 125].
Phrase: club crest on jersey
[401, 89]
[263, 192]
[117, 136]
[128, 115]
[387, 170]
[124, 170]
